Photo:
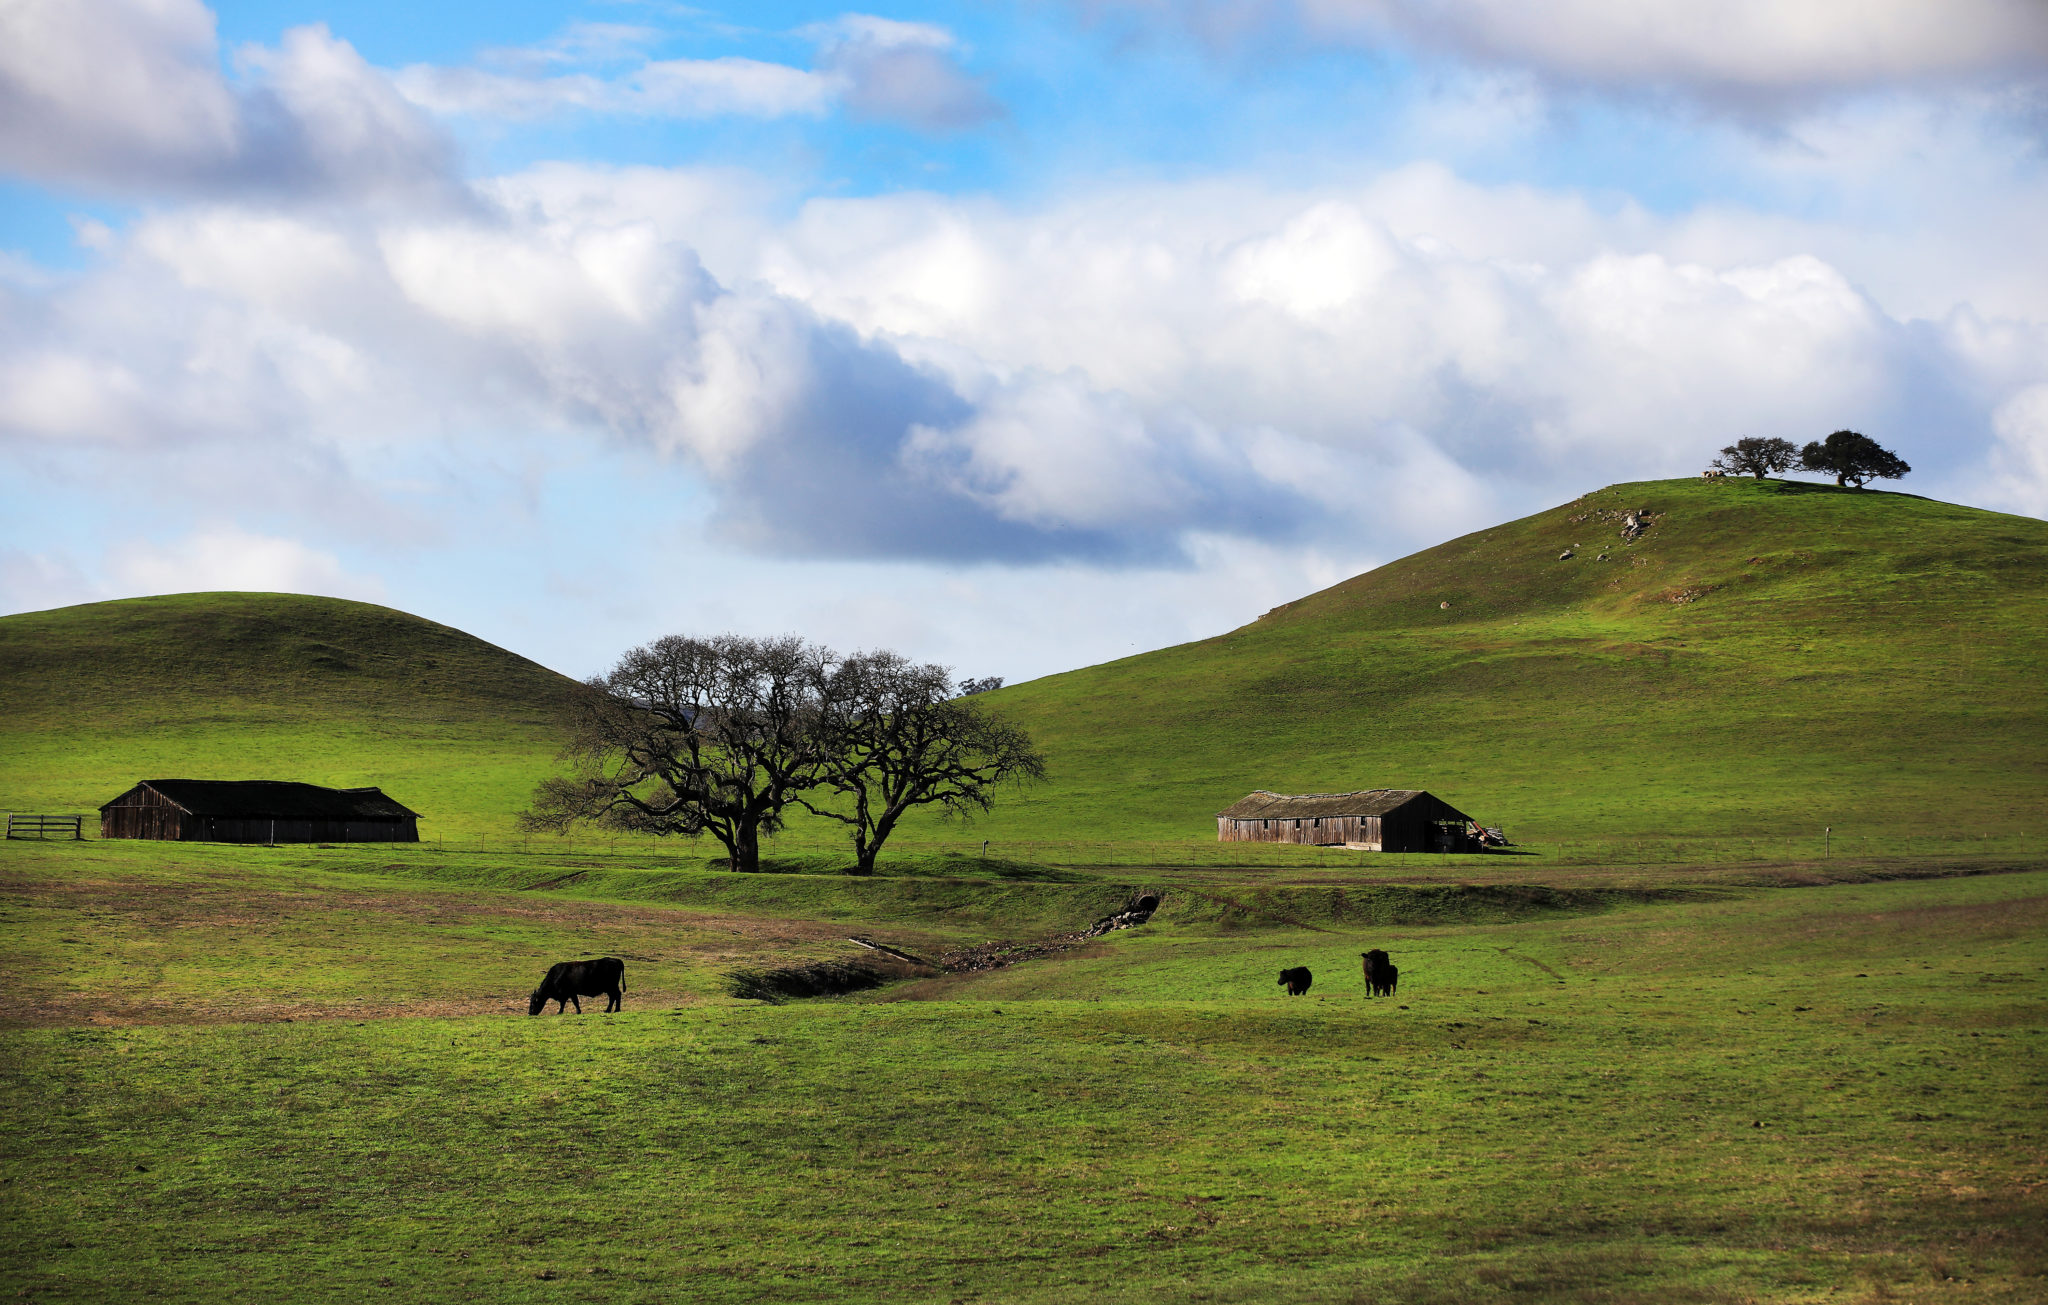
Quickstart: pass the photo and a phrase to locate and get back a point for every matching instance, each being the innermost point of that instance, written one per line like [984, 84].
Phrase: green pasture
[1772, 670]
[239, 1074]
[271, 686]
[1769, 659]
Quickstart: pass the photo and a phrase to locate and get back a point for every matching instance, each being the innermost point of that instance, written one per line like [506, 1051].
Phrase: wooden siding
[1320, 831]
[1424, 823]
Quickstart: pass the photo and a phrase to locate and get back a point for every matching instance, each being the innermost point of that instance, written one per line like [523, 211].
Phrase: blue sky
[1015, 336]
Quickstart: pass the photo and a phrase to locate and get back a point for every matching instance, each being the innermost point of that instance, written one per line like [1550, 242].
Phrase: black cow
[1380, 974]
[1297, 980]
[569, 980]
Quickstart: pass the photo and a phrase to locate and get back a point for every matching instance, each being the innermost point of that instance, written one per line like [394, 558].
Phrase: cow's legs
[614, 994]
[579, 1002]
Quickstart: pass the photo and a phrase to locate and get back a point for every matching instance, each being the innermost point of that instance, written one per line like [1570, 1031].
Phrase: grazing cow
[1297, 980]
[1380, 974]
[569, 980]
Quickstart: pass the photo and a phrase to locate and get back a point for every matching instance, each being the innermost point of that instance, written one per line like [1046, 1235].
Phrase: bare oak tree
[901, 735]
[694, 736]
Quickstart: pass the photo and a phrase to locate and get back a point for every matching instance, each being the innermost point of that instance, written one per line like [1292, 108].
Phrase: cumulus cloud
[1746, 54]
[902, 72]
[225, 557]
[127, 96]
[876, 68]
[1109, 379]
[2019, 462]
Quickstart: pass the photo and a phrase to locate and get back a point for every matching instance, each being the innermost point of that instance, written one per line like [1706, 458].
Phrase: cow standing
[567, 981]
[1380, 973]
[1296, 980]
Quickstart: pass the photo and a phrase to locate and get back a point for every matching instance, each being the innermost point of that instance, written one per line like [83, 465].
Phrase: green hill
[273, 686]
[1764, 659]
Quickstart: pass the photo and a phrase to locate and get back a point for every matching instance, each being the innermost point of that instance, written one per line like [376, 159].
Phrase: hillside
[1764, 659]
[246, 685]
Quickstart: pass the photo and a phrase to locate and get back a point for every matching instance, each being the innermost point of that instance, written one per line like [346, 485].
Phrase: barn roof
[272, 799]
[1298, 806]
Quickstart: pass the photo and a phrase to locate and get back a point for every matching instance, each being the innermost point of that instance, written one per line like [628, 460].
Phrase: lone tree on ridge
[1756, 456]
[1852, 459]
[902, 735]
[694, 736]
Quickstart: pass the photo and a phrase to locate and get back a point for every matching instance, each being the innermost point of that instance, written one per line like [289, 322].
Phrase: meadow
[1771, 669]
[1755, 1009]
[246, 1074]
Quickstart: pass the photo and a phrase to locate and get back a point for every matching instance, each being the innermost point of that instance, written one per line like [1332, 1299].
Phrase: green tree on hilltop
[1852, 459]
[1755, 456]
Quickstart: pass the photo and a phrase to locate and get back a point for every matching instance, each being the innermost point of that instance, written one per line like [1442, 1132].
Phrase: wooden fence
[44, 826]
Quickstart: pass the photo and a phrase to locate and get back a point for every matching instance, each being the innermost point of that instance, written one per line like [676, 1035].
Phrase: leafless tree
[694, 736]
[901, 735]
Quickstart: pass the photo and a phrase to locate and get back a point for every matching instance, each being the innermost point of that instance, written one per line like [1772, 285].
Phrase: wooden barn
[1370, 820]
[256, 811]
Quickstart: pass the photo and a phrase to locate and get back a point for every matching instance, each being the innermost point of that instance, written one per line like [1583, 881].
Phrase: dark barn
[256, 811]
[1370, 820]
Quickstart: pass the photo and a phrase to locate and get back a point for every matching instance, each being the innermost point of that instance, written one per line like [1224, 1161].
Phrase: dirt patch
[212, 951]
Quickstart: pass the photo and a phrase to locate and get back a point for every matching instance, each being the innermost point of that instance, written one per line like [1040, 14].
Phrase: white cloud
[1110, 378]
[127, 96]
[876, 67]
[675, 88]
[225, 557]
[1751, 55]
[902, 72]
[2019, 462]
[94, 87]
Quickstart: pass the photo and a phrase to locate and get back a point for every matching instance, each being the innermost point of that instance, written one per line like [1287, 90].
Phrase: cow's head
[535, 1002]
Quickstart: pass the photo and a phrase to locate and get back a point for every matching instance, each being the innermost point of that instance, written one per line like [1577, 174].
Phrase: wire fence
[933, 855]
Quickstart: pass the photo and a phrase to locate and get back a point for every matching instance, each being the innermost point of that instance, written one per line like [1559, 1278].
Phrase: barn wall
[1328, 831]
[201, 829]
[160, 820]
[141, 812]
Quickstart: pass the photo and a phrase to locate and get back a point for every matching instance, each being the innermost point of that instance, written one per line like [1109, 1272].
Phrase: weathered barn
[256, 811]
[1372, 820]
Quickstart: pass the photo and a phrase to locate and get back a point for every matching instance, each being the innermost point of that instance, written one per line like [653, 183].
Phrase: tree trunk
[746, 848]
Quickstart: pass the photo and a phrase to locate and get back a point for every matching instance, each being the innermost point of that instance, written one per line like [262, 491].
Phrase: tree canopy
[1755, 456]
[902, 735]
[1852, 459]
[694, 736]
[721, 736]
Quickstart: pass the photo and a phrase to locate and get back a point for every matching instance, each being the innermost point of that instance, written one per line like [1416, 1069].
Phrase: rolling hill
[1763, 659]
[1759, 660]
[271, 686]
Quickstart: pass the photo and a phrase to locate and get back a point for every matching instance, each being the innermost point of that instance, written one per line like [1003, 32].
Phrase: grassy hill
[1765, 659]
[274, 686]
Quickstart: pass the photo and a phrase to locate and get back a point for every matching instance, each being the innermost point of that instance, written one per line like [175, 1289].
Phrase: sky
[1012, 336]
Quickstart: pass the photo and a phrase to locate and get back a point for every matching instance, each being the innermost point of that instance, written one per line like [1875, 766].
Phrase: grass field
[1768, 661]
[1756, 1010]
[271, 686]
[251, 1076]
